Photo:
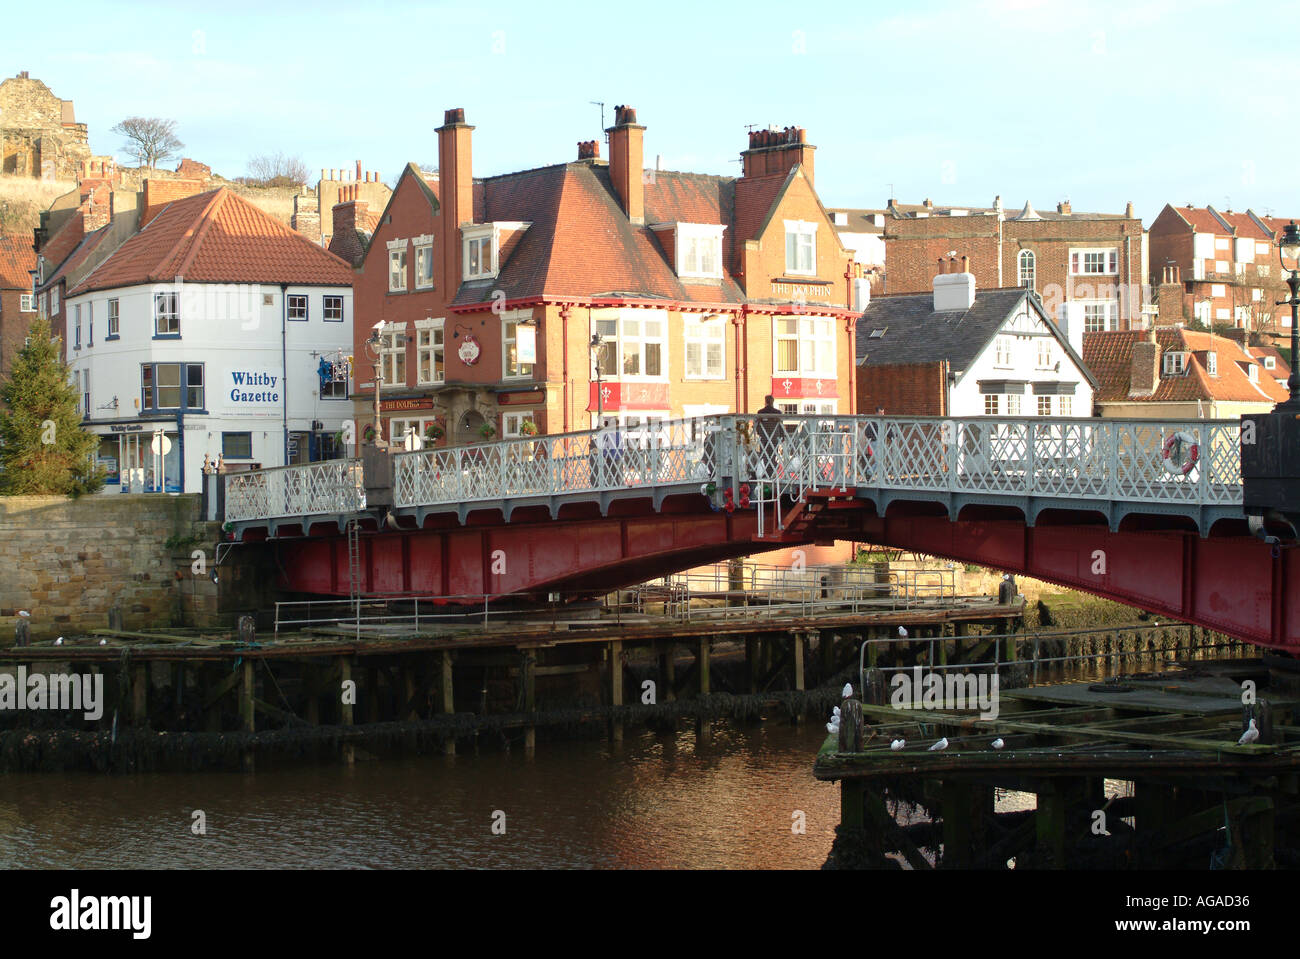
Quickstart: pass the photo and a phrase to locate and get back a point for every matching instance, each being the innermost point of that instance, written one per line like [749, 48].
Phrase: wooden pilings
[347, 697]
[447, 697]
[616, 687]
[247, 710]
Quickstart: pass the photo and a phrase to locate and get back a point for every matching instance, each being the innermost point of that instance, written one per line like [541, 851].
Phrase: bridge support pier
[797, 640]
[447, 698]
[616, 688]
[347, 696]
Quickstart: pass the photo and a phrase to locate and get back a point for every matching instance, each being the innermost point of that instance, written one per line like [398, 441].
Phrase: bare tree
[150, 139]
[276, 169]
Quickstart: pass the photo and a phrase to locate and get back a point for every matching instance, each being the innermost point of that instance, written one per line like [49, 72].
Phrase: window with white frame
[26, 303]
[114, 318]
[706, 348]
[1013, 404]
[1066, 404]
[1253, 372]
[1028, 266]
[1092, 262]
[298, 307]
[1270, 363]
[90, 323]
[642, 340]
[399, 429]
[392, 354]
[85, 393]
[166, 315]
[1220, 266]
[1212, 363]
[397, 268]
[1218, 290]
[991, 405]
[800, 248]
[1203, 310]
[1221, 243]
[430, 355]
[1044, 353]
[699, 250]
[1002, 351]
[512, 424]
[1175, 364]
[76, 312]
[805, 346]
[510, 364]
[1044, 406]
[54, 301]
[43, 304]
[1099, 315]
[332, 309]
[424, 266]
[479, 252]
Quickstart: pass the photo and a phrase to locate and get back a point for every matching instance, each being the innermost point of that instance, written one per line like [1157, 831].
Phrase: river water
[656, 801]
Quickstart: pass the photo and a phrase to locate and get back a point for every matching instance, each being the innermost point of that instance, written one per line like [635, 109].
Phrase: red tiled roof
[581, 243]
[1281, 369]
[217, 237]
[59, 246]
[1200, 219]
[79, 255]
[16, 258]
[1110, 355]
[1246, 227]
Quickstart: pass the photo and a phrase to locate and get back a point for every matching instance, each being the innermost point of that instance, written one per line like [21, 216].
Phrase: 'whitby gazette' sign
[254, 387]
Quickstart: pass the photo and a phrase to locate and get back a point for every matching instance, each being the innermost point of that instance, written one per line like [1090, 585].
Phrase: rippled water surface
[655, 802]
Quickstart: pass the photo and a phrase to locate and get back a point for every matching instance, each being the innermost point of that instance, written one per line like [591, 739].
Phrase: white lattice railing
[330, 486]
[1071, 459]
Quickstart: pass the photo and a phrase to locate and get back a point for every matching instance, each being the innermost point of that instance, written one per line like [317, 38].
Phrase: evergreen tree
[43, 449]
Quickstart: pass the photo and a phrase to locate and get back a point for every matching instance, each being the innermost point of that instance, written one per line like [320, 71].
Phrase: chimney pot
[358, 170]
[965, 264]
[456, 115]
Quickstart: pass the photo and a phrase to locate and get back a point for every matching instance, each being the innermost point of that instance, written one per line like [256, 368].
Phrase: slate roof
[217, 237]
[1110, 357]
[914, 333]
[16, 258]
[79, 255]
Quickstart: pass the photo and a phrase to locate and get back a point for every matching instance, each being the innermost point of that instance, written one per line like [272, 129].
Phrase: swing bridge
[1149, 513]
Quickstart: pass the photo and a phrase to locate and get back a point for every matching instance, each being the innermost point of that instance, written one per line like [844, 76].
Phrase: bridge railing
[1189, 462]
[330, 486]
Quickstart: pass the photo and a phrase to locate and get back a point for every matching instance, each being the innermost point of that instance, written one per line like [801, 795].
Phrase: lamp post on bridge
[1288, 249]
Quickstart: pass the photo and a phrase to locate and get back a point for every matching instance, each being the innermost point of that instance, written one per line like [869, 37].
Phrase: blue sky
[1152, 101]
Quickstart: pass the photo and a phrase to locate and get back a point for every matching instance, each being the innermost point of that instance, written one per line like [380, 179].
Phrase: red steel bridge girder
[1233, 584]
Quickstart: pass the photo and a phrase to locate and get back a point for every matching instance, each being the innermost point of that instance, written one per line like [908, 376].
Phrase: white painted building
[202, 340]
[955, 353]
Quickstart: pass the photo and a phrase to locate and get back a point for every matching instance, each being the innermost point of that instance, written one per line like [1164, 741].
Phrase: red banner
[629, 396]
[804, 388]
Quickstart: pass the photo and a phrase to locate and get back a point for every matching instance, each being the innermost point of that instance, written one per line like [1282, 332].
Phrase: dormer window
[1175, 364]
[699, 250]
[1212, 363]
[1270, 363]
[480, 255]
[1253, 372]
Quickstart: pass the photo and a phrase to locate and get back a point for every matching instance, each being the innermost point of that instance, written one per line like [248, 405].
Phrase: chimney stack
[774, 151]
[1144, 370]
[953, 291]
[588, 150]
[1128, 211]
[626, 159]
[1063, 207]
[457, 192]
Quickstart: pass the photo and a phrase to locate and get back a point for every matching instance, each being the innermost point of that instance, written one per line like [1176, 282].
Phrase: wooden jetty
[1190, 797]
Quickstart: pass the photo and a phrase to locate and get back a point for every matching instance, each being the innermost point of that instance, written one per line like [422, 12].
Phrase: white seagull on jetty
[998, 743]
[832, 728]
[848, 690]
[940, 745]
[103, 642]
[1250, 735]
[59, 641]
[898, 744]
[24, 613]
[902, 632]
[835, 713]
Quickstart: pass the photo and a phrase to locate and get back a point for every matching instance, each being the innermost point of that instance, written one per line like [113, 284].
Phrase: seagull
[24, 614]
[835, 713]
[1250, 735]
[998, 743]
[902, 632]
[848, 690]
[59, 641]
[832, 728]
[103, 642]
[898, 744]
[940, 745]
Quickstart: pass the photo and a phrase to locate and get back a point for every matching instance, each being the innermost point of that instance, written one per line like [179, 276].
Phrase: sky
[1100, 103]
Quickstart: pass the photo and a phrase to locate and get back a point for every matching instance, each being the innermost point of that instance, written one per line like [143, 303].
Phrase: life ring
[1175, 442]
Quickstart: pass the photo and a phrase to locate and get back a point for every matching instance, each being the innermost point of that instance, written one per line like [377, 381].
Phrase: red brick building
[1087, 266]
[706, 292]
[1226, 264]
[17, 305]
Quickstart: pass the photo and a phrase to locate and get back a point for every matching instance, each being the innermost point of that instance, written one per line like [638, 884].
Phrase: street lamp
[375, 343]
[1288, 254]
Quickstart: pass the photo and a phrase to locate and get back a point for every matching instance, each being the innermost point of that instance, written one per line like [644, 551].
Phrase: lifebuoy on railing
[1176, 461]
